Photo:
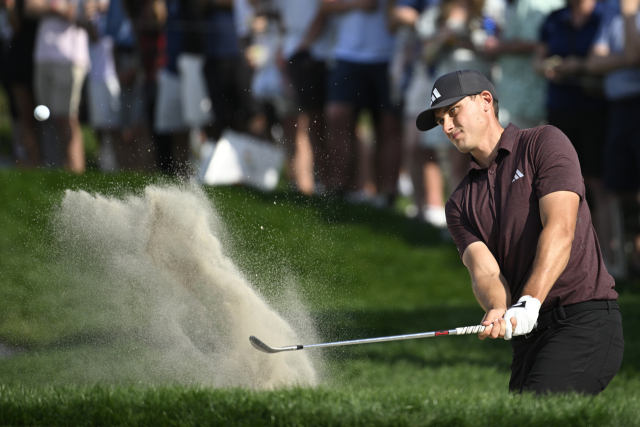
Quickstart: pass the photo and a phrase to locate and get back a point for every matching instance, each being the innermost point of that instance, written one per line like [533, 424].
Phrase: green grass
[360, 272]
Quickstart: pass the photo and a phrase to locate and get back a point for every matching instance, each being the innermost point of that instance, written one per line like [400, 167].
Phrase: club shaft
[383, 339]
[260, 345]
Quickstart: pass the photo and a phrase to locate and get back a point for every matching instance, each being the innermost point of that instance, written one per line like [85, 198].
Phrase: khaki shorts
[59, 87]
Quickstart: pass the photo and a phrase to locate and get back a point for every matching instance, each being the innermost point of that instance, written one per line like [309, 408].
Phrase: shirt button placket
[492, 180]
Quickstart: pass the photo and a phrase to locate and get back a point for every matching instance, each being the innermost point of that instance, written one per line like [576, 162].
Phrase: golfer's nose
[447, 124]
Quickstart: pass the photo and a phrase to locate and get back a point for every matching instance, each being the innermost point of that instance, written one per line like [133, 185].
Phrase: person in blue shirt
[616, 56]
[575, 103]
[359, 79]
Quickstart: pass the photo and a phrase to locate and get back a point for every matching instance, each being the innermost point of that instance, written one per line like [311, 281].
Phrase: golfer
[523, 229]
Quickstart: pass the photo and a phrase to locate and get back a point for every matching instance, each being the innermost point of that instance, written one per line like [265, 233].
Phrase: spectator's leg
[68, 80]
[433, 180]
[308, 77]
[389, 148]
[75, 148]
[289, 145]
[340, 144]
[25, 104]
[220, 102]
[180, 155]
[304, 158]
[249, 116]
[388, 153]
[317, 138]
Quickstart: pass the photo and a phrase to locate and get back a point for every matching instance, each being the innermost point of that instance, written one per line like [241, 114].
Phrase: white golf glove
[525, 312]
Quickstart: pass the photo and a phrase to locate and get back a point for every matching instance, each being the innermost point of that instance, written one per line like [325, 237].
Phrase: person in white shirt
[61, 61]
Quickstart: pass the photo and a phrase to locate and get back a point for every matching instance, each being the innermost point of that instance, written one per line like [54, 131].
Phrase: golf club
[259, 345]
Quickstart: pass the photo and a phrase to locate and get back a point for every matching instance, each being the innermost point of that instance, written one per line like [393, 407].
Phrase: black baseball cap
[451, 88]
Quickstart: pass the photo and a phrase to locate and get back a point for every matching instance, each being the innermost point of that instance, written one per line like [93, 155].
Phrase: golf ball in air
[41, 112]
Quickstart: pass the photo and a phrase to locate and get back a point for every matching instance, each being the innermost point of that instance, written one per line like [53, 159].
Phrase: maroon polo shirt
[500, 207]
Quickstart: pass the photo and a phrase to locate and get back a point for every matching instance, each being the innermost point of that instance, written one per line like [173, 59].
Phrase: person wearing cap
[523, 229]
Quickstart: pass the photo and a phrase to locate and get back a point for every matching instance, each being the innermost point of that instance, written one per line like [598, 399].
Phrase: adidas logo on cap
[435, 95]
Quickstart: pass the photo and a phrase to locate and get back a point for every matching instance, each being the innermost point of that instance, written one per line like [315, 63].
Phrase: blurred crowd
[337, 83]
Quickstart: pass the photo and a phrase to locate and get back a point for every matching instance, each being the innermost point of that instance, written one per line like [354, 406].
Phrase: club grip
[469, 330]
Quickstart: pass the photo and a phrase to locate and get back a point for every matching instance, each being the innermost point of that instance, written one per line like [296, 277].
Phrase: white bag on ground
[243, 159]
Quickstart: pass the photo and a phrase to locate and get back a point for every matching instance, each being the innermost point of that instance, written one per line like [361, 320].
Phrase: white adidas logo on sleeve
[518, 175]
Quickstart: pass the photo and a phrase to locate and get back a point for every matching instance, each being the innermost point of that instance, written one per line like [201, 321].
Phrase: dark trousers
[229, 84]
[581, 353]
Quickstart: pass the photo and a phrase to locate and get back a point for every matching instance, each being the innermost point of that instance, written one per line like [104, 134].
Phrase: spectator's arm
[228, 4]
[516, 47]
[629, 10]
[433, 46]
[60, 8]
[314, 31]
[340, 6]
[14, 20]
[154, 16]
[601, 61]
[399, 16]
[203, 6]
[540, 58]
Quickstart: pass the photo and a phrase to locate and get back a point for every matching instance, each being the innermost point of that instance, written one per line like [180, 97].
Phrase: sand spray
[161, 262]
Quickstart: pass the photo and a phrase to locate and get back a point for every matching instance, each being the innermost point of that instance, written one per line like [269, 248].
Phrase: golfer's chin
[460, 145]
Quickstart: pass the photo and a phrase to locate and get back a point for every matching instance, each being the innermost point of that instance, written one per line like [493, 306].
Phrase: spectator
[169, 116]
[103, 89]
[453, 35]
[522, 90]
[61, 63]
[20, 78]
[148, 18]
[131, 137]
[575, 104]
[228, 74]
[271, 87]
[305, 58]
[360, 78]
[425, 172]
[7, 10]
[616, 55]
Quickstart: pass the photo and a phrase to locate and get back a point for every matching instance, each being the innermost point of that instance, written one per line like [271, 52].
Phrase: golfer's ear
[487, 100]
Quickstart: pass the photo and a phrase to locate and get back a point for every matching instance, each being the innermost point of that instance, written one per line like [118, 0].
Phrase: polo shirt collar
[507, 139]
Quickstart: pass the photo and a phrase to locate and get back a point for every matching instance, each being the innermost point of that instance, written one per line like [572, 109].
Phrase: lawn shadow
[334, 211]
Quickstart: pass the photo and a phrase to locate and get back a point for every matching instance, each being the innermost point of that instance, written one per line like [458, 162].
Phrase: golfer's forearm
[489, 285]
[552, 256]
[492, 293]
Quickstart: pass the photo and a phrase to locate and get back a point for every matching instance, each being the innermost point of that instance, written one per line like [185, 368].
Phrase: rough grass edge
[181, 405]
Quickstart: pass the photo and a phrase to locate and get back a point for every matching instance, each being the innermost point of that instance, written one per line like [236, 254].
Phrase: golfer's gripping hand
[521, 317]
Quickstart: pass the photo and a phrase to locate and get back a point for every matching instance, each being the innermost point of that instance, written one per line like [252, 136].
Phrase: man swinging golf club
[523, 230]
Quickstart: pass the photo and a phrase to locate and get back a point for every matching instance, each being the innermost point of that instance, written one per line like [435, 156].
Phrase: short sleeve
[603, 35]
[556, 164]
[460, 228]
